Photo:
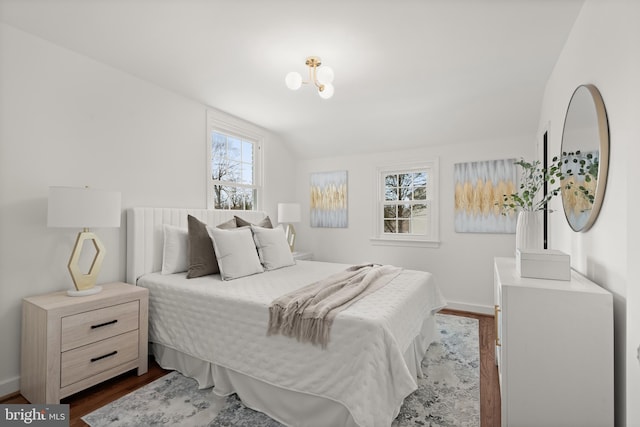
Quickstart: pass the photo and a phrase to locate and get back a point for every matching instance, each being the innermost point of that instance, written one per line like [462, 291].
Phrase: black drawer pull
[111, 322]
[95, 359]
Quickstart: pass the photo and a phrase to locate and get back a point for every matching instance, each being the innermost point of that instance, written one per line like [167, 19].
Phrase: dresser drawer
[91, 326]
[87, 361]
[59, 342]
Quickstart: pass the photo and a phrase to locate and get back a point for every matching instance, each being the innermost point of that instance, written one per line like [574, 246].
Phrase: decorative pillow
[273, 249]
[236, 251]
[202, 257]
[228, 224]
[265, 222]
[174, 252]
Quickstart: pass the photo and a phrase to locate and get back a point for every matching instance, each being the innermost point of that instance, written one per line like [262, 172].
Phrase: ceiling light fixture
[320, 77]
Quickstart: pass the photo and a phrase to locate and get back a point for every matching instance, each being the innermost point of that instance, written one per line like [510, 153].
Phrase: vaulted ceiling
[408, 73]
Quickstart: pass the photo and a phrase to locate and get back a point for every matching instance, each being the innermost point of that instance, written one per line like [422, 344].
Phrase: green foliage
[584, 166]
[533, 177]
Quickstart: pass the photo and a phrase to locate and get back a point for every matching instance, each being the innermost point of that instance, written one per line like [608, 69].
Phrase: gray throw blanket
[307, 313]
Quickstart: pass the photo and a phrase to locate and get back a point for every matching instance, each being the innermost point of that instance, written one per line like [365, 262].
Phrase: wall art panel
[329, 199]
[479, 191]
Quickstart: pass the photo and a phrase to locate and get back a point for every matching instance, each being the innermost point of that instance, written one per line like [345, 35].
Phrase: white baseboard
[9, 386]
[472, 308]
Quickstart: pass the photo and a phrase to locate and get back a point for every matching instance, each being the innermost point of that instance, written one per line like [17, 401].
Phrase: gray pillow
[236, 250]
[266, 222]
[227, 224]
[202, 256]
[273, 249]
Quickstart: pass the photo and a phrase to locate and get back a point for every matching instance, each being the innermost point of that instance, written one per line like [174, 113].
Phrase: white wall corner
[9, 386]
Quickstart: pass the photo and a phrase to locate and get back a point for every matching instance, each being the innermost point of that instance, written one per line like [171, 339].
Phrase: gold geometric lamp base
[86, 283]
[290, 234]
[289, 213]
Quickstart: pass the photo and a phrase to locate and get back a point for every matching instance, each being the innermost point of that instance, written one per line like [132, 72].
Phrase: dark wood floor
[489, 385]
[93, 398]
[86, 401]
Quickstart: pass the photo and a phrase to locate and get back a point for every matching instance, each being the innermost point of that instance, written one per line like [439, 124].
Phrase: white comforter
[225, 323]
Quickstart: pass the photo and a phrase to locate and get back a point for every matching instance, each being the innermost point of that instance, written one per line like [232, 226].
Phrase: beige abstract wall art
[329, 199]
[479, 190]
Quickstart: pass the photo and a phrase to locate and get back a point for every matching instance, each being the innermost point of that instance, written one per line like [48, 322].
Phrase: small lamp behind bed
[71, 207]
[289, 213]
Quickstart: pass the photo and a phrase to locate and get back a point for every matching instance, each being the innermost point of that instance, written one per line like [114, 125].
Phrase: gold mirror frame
[581, 207]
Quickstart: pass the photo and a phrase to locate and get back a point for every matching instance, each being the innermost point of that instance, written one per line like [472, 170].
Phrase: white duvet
[225, 323]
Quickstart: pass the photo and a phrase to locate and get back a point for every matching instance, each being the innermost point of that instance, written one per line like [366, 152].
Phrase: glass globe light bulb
[327, 92]
[324, 75]
[293, 80]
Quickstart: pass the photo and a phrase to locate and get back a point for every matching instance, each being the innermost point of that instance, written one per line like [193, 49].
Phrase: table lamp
[288, 213]
[84, 208]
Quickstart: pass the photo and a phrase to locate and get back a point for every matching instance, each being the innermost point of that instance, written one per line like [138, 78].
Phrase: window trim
[401, 239]
[217, 121]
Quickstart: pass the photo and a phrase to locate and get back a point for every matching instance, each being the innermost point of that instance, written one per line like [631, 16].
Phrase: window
[407, 209]
[234, 164]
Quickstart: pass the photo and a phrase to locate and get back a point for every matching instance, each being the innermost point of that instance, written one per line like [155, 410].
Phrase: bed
[214, 330]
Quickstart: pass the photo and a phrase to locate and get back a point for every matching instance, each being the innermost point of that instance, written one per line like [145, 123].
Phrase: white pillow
[236, 252]
[174, 253]
[273, 249]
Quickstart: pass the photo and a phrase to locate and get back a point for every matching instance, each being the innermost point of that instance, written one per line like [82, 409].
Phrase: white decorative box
[543, 264]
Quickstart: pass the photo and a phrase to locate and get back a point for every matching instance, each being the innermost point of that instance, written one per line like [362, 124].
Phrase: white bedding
[225, 323]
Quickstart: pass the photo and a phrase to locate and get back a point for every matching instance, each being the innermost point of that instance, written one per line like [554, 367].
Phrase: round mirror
[585, 157]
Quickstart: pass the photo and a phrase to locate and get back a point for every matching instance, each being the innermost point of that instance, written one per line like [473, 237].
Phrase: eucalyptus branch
[533, 177]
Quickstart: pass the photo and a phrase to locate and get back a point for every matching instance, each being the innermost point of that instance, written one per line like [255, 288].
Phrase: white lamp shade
[293, 80]
[327, 92]
[73, 207]
[288, 213]
[325, 75]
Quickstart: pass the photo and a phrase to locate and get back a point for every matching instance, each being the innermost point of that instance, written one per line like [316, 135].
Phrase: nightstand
[72, 343]
[302, 256]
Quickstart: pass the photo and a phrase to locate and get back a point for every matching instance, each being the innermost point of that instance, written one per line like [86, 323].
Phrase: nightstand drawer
[87, 361]
[58, 340]
[91, 326]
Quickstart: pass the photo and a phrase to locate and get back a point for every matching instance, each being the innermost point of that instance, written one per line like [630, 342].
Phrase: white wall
[630, 132]
[462, 265]
[603, 49]
[66, 119]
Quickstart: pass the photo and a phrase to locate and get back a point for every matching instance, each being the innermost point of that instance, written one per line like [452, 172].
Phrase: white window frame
[222, 123]
[432, 237]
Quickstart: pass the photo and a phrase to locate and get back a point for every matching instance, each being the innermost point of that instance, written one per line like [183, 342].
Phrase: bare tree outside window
[232, 172]
[406, 207]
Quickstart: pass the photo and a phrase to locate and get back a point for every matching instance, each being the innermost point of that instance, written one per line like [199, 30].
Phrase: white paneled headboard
[145, 239]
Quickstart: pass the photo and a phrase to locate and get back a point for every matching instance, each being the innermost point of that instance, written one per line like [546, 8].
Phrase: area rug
[447, 396]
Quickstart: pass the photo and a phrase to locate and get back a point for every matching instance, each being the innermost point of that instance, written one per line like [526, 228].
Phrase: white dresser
[554, 350]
